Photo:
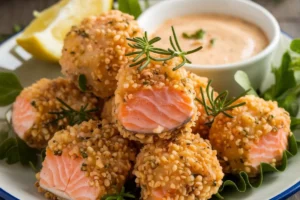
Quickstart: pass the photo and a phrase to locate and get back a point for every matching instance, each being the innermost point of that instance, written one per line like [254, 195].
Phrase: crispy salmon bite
[184, 168]
[154, 103]
[97, 49]
[86, 161]
[258, 132]
[33, 117]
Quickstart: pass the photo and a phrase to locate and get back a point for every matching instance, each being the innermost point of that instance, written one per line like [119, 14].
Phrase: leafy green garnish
[241, 181]
[14, 150]
[285, 90]
[10, 88]
[131, 7]
[284, 79]
[82, 82]
[243, 80]
[119, 196]
[289, 100]
[199, 34]
[295, 122]
[295, 45]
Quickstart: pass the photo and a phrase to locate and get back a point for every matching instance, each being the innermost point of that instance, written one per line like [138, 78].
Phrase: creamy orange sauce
[234, 38]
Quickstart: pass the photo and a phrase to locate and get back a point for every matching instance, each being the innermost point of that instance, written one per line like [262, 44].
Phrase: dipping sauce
[225, 39]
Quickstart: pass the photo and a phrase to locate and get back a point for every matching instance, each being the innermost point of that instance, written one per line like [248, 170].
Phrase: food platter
[17, 182]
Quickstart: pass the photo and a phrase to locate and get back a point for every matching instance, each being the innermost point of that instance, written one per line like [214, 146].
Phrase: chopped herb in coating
[82, 81]
[212, 41]
[83, 167]
[58, 153]
[83, 154]
[82, 33]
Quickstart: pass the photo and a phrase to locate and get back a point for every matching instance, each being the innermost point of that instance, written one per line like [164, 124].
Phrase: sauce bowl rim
[273, 42]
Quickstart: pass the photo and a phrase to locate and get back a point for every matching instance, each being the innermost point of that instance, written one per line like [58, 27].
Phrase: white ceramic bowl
[222, 75]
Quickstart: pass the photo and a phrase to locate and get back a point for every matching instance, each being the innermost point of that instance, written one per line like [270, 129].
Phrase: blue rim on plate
[6, 196]
[282, 196]
[288, 193]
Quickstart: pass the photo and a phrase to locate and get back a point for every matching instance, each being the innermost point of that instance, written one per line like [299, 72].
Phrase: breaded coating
[155, 103]
[201, 125]
[184, 168]
[108, 110]
[97, 49]
[31, 118]
[95, 153]
[258, 132]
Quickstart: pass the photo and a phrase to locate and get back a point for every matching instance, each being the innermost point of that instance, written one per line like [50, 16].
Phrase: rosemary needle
[220, 104]
[73, 116]
[145, 50]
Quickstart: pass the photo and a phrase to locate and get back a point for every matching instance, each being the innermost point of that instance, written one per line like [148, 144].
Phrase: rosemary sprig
[120, 196]
[73, 116]
[220, 104]
[145, 49]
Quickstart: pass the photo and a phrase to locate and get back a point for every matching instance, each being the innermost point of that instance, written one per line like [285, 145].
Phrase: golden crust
[200, 125]
[233, 138]
[107, 156]
[184, 168]
[108, 110]
[42, 96]
[97, 49]
[156, 75]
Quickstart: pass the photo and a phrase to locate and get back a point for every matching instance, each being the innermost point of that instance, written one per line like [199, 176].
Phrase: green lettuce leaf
[295, 45]
[10, 88]
[131, 7]
[284, 79]
[243, 80]
[242, 182]
[289, 100]
[14, 150]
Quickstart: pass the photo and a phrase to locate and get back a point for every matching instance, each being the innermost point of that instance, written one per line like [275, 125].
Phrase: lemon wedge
[44, 36]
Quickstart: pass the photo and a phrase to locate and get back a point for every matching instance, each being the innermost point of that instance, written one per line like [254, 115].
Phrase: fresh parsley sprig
[219, 104]
[73, 116]
[145, 50]
[122, 195]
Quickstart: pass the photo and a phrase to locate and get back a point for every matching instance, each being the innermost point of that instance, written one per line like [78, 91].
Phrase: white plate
[19, 181]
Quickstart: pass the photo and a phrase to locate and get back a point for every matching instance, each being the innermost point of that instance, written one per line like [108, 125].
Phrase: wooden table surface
[13, 12]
